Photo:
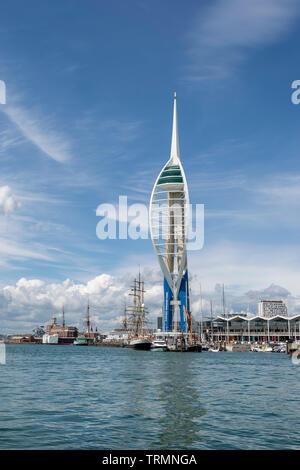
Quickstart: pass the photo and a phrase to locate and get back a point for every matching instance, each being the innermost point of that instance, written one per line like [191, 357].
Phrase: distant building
[239, 328]
[272, 308]
[66, 334]
[159, 323]
[20, 339]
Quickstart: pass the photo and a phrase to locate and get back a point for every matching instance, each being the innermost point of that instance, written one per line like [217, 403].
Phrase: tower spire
[175, 155]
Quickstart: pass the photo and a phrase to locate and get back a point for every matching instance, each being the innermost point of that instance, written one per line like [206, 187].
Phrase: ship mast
[133, 315]
[191, 318]
[211, 321]
[125, 318]
[88, 321]
[201, 315]
[137, 311]
[223, 300]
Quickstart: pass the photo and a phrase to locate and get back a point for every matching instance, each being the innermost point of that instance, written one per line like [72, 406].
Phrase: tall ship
[135, 318]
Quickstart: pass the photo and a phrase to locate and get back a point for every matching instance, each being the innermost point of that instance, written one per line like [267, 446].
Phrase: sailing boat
[137, 318]
[84, 340]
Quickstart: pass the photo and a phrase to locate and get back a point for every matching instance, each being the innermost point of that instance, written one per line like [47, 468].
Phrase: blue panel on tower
[168, 296]
[184, 298]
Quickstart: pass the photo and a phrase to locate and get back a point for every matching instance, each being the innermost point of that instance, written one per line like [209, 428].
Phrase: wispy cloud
[121, 130]
[283, 189]
[222, 35]
[8, 202]
[16, 251]
[9, 139]
[40, 132]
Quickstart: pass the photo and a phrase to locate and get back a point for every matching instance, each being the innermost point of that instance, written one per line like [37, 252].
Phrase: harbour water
[63, 397]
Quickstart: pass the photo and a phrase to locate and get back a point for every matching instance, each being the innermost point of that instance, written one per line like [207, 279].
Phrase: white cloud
[271, 292]
[223, 33]
[246, 266]
[40, 133]
[13, 250]
[30, 302]
[8, 202]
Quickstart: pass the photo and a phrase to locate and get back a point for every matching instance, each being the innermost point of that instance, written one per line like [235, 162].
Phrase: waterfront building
[168, 227]
[271, 308]
[66, 334]
[239, 328]
[20, 339]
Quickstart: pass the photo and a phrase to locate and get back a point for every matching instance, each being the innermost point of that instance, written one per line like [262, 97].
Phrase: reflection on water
[62, 397]
[181, 403]
[163, 394]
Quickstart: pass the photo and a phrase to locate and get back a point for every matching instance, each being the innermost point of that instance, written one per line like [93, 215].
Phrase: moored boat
[238, 347]
[81, 341]
[50, 339]
[139, 343]
[159, 345]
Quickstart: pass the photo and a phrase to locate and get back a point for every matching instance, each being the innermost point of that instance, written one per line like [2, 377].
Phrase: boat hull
[159, 348]
[238, 347]
[189, 348]
[143, 345]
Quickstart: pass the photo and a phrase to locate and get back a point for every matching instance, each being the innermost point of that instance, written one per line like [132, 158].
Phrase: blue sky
[88, 118]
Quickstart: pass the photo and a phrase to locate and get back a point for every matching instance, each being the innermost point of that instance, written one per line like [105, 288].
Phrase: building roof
[233, 318]
[258, 318]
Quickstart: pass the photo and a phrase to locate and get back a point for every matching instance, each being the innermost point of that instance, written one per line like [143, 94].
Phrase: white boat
[81, 341]
[50, 339]
[159, 345]
[238, 347]
[213, 350]
[139, 343]
[267, 349]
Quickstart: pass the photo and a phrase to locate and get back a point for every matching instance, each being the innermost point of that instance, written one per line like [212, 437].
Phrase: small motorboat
[159, 345]
[80, 341]
[238, 347]
[267, 348]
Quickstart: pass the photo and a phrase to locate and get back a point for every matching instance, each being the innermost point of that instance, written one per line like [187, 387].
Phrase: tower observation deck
[169, 214]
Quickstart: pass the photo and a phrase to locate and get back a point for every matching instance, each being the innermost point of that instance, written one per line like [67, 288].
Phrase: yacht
[159, 345]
